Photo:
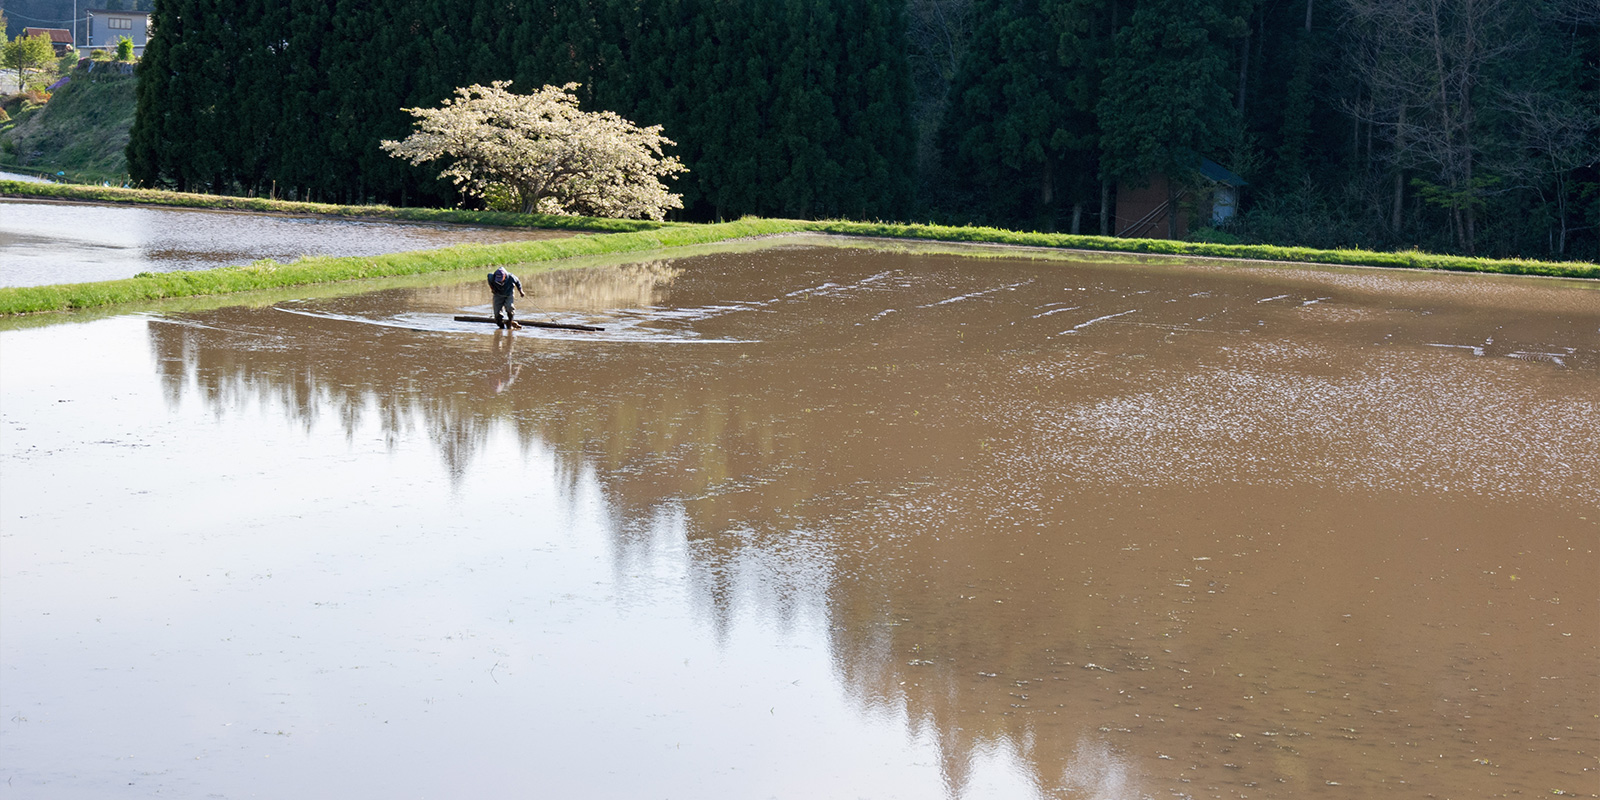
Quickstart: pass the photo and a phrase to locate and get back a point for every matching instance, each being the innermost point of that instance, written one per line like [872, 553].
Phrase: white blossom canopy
[544, 153]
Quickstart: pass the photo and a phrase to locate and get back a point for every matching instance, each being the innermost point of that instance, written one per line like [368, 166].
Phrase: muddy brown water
[814, 521]
[44, 242]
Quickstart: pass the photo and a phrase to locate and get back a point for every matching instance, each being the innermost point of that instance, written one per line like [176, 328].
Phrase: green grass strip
[267, 274]
[114, 194]
[1411, 259]
[640, 237]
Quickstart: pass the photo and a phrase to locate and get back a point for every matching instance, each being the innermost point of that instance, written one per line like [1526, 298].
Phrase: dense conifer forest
[1469, 126]
[1463, 126]
[794, 108]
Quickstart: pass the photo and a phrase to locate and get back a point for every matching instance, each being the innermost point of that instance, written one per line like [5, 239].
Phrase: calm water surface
[813, 522]
[44, 242]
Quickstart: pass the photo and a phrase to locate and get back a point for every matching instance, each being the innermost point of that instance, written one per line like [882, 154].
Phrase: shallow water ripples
[1391, 423]
[1242, 533]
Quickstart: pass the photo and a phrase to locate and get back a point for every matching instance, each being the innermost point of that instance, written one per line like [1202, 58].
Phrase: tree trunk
[1366, 164]
[1077, 217]
[1244, 70]
[1355, 138]
[1172, 212]
[1399, 199]
[1105, 207]
[1399, 171]
[1467, 157]
[1561, 211]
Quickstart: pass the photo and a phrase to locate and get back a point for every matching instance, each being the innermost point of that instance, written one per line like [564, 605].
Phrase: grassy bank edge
[1254, 252]
[117, 194]
[271, 275]
[1411, 259]
[268, 274]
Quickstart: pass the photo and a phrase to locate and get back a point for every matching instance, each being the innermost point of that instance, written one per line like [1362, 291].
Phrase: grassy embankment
[1410, 259]
[630, 237]
[268, 274]
[81, 132]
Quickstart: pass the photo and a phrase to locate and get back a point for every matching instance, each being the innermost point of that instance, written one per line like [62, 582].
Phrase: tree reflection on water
[1169, 557]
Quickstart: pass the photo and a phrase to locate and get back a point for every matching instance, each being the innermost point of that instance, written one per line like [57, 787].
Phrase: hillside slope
[82, 131]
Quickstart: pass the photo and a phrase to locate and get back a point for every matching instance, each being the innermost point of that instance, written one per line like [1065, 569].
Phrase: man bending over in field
[501, 283]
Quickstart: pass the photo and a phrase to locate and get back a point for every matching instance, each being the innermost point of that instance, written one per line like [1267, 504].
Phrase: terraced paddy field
[812, 519]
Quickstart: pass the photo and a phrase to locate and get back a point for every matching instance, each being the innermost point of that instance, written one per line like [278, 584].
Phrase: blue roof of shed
[1219, 173]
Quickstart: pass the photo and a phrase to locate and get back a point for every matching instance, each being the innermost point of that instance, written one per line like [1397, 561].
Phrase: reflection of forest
[1126, 637]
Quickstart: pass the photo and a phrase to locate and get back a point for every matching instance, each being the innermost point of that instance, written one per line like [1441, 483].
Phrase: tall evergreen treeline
[1469, 126]
[1452, 125]
[792, 108]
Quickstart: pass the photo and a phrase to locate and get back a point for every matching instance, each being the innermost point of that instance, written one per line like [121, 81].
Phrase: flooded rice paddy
[814, 521]
[57, 242]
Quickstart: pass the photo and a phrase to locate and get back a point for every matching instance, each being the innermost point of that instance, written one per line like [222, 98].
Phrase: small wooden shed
[1161, 207]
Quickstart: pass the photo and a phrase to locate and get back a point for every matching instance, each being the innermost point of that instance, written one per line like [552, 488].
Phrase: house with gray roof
[106, 27]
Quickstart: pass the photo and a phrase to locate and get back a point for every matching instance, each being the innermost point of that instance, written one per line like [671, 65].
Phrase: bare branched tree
[1573, 12]
[937, 33]
[1555, 137]
[1422, 63]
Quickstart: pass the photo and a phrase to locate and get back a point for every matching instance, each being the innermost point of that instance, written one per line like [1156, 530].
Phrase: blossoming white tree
[544, 153]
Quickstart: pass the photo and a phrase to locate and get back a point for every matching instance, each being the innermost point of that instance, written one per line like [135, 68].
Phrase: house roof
[1219, 173]
[57, 35]
[118, 13]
